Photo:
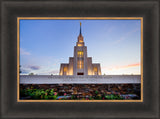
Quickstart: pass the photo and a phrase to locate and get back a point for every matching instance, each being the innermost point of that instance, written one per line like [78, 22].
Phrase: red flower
[55, 93]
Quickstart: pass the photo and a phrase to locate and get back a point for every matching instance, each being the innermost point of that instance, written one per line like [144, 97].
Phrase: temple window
[80, 54]
[65, 71]
[79, 44]
[80, 64]
[95, 71]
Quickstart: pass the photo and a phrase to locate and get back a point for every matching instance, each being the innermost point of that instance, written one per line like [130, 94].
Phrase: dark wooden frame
[11, 9]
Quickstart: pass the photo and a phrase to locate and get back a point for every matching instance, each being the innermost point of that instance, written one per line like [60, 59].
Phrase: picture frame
[79, 18]
[10, 108]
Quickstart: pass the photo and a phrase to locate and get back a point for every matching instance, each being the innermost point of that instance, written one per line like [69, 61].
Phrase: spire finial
[80, 28]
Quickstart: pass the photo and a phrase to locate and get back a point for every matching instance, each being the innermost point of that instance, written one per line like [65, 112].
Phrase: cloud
[54, 72]
[126, 36]
[24, 52]
[121, 67]
[24, 71]
[34, 67]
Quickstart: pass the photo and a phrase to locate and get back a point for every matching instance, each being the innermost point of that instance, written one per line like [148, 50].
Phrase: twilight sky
[45, 44]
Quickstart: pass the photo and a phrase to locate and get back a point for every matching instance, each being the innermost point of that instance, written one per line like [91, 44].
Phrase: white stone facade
[94, 79]
[80, 64]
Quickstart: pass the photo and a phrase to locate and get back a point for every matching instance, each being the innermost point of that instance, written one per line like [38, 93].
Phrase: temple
[80, 64]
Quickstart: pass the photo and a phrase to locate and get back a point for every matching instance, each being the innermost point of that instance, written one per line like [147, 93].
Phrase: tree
[31, 73]
[20, 69]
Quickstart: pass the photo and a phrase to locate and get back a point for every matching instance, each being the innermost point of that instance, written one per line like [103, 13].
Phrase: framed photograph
[118, 79]
[80, 59]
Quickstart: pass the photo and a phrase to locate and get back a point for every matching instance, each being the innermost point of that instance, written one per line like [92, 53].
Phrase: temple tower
[80, 64]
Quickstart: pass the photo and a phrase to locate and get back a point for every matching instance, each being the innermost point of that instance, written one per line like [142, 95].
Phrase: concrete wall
[62, 67]
[90, 68]
[98, 67]
[94, 79]
[71, 60]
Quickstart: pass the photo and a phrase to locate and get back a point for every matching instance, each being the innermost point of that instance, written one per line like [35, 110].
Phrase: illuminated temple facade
[80, 64]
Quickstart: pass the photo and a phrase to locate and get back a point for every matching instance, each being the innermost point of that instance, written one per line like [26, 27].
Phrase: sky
[115, 44]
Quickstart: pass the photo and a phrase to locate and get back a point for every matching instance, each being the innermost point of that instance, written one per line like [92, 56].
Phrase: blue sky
[45, 44]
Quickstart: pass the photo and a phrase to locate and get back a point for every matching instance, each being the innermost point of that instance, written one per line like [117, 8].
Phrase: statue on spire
[80, 29]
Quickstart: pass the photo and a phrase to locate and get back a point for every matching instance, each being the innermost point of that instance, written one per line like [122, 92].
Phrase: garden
[74, 92]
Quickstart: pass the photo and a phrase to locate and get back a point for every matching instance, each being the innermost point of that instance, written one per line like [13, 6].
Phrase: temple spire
[80, 38]
[80, 29]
